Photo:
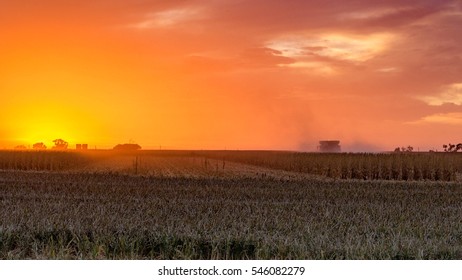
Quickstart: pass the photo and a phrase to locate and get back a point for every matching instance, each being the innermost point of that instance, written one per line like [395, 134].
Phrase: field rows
[385, 166]
[397, 166]
[113, 216]
[187, 166]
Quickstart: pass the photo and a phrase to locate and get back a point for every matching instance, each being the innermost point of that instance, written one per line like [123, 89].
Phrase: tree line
[447, 148]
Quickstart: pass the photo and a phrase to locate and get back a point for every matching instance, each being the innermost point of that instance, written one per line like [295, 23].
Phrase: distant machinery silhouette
[329, 146]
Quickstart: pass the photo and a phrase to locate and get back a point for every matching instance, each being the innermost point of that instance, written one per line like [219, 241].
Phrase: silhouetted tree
[39, 146]
[452, 147]
[60, 144]
[407, 149]
[20, 147]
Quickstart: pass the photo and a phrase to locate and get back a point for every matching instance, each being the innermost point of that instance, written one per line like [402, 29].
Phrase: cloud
[442, 118]
[393, 15]
[170, 18]
[371, 13]
[350, 47]
[451, 94]
[312, 67]
[388, 70]
[262, 56]
[329, 53]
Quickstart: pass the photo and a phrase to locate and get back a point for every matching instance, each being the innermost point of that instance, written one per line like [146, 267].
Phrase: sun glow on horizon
[45, 121]
[211, 75]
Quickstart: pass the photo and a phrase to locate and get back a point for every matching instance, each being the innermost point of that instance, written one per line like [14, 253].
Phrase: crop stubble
[115, 214]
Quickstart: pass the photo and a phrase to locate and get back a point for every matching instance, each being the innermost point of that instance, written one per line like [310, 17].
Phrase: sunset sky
[231, 74]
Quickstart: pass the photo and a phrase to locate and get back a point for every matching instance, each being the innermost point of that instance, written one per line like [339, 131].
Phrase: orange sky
[213, 74]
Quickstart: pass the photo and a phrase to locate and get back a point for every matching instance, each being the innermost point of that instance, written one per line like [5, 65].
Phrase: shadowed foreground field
[107, 215]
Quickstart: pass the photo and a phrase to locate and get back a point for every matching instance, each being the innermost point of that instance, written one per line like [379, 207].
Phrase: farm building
[81, 146]
[329, 146]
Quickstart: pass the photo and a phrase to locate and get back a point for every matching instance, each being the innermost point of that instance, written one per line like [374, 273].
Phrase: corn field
[366, 166]
[41, 160]
[385, 166]
[228, 205]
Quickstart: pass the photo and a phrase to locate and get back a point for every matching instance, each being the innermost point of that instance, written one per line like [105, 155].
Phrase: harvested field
[175, 207]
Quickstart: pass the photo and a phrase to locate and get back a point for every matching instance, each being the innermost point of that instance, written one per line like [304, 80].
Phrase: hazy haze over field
[231, 74]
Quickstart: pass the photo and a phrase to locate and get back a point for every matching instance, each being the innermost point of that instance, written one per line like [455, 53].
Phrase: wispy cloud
[443, 118]
[313, 67]
[325, 53]
[388, 70]
[451, 94]
[169, 18]
[373, 13]
[348, 47]
[330, 47]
